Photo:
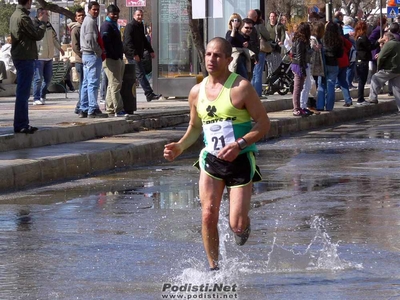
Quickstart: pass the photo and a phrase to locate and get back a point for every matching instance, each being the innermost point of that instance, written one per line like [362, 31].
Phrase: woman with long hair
[332, 50]
[364, 56]
[236, 39]
[300, 58]
[317, 61]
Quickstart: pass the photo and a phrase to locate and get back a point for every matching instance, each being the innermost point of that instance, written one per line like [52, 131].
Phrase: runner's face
[215, 58]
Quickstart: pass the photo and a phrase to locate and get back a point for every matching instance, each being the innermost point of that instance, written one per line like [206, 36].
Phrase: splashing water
[321, 254]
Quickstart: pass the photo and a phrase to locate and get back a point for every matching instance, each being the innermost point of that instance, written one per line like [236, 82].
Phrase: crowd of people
[344, 53]
[33, 45]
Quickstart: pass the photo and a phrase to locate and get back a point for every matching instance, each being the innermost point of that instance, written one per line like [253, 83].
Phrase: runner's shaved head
[225, 45]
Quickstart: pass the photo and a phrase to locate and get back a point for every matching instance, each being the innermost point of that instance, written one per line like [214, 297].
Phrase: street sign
[135, 3]
[392, 11]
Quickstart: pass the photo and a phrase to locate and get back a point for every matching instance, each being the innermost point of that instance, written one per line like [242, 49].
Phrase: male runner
[222, 107]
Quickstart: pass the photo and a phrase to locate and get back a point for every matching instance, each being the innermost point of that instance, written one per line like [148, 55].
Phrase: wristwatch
[241, 143]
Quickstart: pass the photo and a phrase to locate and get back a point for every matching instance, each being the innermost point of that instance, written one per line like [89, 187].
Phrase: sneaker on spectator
[97, 114]
[37, 102]
[373, 101]
[43, 100]
[122, 113]
[82, 114]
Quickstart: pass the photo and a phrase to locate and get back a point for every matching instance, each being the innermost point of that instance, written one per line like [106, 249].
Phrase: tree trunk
[197, 35]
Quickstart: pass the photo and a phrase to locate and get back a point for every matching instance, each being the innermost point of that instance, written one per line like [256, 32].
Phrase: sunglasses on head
[235, 20]
[251, 28]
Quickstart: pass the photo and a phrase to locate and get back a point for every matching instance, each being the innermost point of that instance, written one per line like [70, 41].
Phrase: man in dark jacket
[135, 42]
[388, 69]
[24, 35]
[113, 65]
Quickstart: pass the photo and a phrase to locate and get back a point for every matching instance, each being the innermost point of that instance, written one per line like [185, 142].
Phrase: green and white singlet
[222, 122]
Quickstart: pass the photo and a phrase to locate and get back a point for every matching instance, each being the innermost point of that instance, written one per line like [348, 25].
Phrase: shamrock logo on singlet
[211, 111]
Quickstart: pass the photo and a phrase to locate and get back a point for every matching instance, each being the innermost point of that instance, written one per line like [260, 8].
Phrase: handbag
[265, 46]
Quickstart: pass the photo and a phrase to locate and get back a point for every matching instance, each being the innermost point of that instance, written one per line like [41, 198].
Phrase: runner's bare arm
[257, 112]
[173, 150]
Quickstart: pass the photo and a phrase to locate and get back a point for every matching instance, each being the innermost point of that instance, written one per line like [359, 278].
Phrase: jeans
[141, 76]
[362, 71]
[326, 88]
[342, 80]
[297, 88]
[42, 78]
[79, 70]
[103, 85]
[256, 81]
[350, 72]
[91, 81]
[25, 70]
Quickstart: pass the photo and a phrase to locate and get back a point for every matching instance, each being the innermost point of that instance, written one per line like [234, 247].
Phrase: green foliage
[6, 10]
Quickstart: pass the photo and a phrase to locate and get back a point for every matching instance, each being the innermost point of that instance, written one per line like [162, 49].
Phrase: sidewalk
[67, 147]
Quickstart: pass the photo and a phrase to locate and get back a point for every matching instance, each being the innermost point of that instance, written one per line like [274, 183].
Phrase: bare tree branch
[55, 8]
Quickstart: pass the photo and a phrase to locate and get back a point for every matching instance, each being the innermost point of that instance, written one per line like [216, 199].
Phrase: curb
[50, 164]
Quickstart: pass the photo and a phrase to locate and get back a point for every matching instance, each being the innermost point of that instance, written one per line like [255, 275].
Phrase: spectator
[388, 65]
[301, 55]
[92, 56]
[44, 63]
[317, 68]
[374, 39]
[277, 35]
[332, 50]
[5, 56]
[394, 29]
[344, 63]
[239, 44]
[24, 34]
[135, 42]
[338, 19]
[75, 28]
[263, 33]
[364, 56]
[348, 32]
[113, 65]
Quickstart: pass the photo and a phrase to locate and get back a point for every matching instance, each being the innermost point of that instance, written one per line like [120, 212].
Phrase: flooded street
[325, 225]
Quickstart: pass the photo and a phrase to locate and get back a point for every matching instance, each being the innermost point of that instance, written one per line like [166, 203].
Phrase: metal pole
[328, 11]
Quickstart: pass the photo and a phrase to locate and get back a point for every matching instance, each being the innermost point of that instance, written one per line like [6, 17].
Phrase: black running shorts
[240, 172]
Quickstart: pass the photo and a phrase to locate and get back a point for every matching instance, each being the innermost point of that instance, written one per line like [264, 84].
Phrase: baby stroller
[282, 79]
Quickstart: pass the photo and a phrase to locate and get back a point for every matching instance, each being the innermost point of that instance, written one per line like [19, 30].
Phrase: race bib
[217, 135]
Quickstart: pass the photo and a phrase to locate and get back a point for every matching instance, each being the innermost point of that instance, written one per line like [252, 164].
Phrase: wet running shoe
[241, 239]
[214, 269]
